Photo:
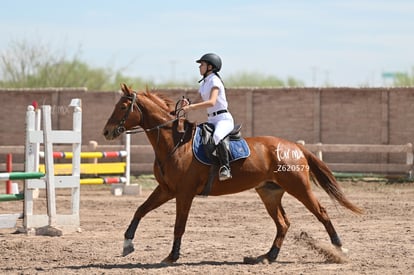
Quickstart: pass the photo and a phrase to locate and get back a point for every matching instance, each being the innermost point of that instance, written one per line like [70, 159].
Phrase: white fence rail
[383, 167]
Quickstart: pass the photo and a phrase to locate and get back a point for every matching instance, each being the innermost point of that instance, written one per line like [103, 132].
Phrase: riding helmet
[212, 59]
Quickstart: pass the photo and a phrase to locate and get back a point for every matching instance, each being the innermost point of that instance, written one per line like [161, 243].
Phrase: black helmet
[212, 59]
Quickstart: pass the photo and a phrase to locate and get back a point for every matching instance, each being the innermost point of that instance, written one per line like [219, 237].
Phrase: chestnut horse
[275, 166]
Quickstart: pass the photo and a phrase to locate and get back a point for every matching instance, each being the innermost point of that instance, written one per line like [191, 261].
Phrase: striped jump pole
[21, 175]
[87, 155]
[17, 176]
[109, 180]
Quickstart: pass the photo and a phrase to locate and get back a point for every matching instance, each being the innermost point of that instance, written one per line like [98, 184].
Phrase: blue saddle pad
[238, 149]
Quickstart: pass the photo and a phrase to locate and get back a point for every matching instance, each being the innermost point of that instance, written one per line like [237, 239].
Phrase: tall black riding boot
[223, 154]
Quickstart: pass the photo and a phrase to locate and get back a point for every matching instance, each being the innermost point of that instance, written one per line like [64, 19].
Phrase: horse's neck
[160, 138]
[165, 140]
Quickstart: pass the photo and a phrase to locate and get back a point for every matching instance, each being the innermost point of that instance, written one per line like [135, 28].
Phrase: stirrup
[224, 173]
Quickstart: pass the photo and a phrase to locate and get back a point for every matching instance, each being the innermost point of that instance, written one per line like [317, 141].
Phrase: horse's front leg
[156, 199]
[183, 205]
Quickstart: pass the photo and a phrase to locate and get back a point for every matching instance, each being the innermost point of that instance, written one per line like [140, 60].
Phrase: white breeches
[224, 124]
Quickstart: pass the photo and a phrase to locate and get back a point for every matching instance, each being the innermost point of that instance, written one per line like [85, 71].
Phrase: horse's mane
[161, 100]
[168, 105]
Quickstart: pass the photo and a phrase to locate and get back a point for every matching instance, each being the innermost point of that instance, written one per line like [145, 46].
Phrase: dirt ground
[221, 231]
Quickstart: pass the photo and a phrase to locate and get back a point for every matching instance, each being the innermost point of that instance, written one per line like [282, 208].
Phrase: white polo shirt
[209, 82]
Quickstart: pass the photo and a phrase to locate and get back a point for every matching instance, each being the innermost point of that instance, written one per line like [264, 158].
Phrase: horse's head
[147, 110]
[126, 114]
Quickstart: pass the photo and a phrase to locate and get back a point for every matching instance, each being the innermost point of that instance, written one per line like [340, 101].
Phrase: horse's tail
[326, 180]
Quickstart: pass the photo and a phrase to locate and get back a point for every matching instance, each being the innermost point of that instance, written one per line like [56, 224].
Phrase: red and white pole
[9, 168]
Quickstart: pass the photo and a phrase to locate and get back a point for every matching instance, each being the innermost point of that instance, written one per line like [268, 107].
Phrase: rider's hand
[185, 102]
[186, 108]
[185, 105]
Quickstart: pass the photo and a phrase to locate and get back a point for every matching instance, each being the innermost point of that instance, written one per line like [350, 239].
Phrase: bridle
[178, 112]
[121, 125]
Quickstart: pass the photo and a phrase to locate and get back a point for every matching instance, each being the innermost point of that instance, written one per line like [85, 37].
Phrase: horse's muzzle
[111, 134]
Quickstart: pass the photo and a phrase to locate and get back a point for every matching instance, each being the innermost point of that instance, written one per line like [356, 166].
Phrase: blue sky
[345, 43]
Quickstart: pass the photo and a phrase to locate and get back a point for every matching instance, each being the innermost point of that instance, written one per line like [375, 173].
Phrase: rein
[121, 126]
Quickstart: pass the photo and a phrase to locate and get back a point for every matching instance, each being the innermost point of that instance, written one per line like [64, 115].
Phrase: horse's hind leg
[304, 194]
[271, 195]
[320, 213]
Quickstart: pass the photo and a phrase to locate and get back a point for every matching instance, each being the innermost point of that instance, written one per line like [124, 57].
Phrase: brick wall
[327, 115]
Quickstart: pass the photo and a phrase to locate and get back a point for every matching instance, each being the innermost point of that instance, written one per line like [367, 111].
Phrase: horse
[275, 166]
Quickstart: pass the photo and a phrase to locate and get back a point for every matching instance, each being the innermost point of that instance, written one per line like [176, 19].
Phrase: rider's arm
[204, 104]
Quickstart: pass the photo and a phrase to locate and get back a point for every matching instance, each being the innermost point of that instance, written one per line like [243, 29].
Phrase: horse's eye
[123, 107]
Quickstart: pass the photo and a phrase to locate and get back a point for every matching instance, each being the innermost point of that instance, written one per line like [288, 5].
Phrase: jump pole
[17, 176]
[88, 155]
[21, 175]
[101, 169]
[11, 197]
[124, 179]
[10, 220]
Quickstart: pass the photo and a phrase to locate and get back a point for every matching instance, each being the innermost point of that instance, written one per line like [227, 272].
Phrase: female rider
[214, 99]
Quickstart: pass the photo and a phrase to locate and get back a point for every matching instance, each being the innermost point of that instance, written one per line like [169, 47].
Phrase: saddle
[208, 130]
[204, 149]
[207, 141]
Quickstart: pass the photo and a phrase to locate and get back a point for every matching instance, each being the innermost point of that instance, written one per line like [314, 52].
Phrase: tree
[26, 65]
[35, 65]
[74, 73]
[137, 83]
[404, 79]
[249, 79]
[21, 62]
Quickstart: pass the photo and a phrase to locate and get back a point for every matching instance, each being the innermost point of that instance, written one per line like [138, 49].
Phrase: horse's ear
[147, 89]
[125, 89]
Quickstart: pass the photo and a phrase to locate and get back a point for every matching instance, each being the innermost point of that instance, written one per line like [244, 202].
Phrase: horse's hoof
[257, 260]
[127, 251]
[342, 249]
[168, 261]
[128, 248]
